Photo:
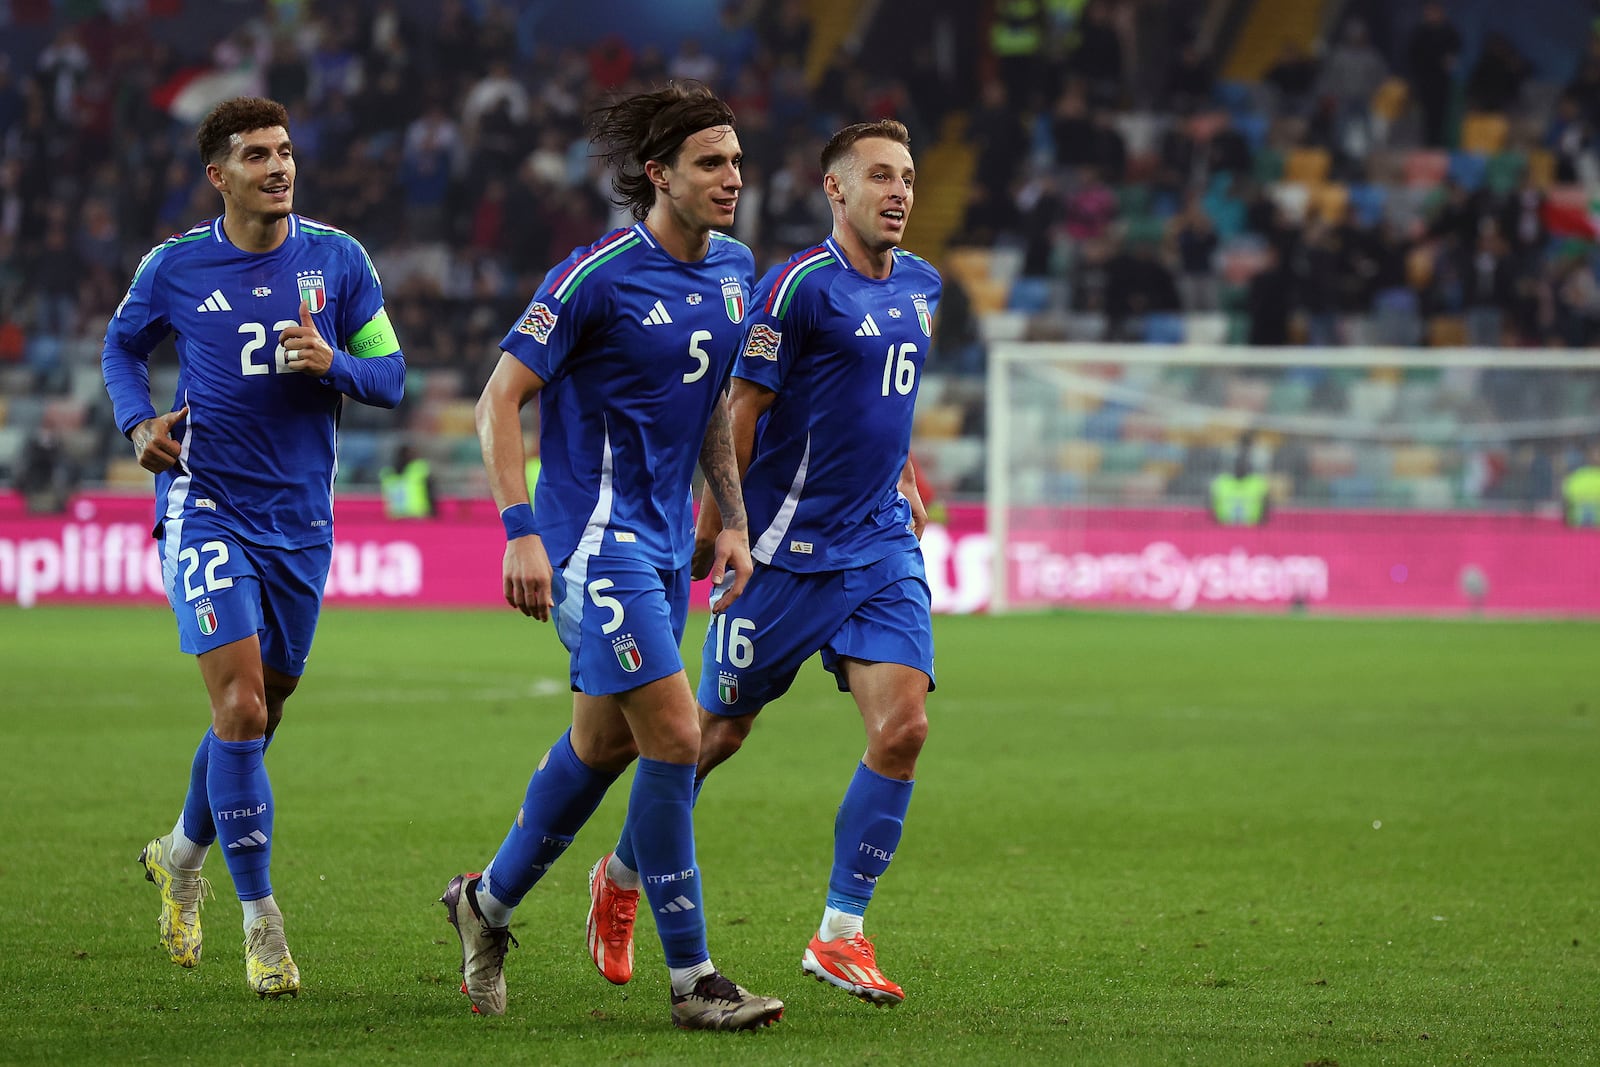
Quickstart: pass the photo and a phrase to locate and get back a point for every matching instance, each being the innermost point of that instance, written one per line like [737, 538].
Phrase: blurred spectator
[1097, 57]
[1580, 492]
[429, 161]
[957, 343]
[785, 29]
[1190, 81]
[734, 44]
[496, 89]
[610, 62]
[407, 486]
[1091, 205]
[1351, 75]
[1497, 78]
[1110, 149]
[55, 274]
[1042, 210]
[44, 476]
[1585, 88]
[62, 67]
[1269, 301]
[1001, 140]
[1017, 40]
[792, 212]
[1239, 495]
[1433, 51]
[10, 99]
[1318, 269]
[1072, 129]
[1137, 284]
[1571, 139]
[1489, 284]
[692, 63]
[1292, 76]
[1227, 151]
[1196, 242]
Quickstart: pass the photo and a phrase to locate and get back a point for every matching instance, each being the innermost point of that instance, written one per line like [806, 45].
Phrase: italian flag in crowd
[1577, 216]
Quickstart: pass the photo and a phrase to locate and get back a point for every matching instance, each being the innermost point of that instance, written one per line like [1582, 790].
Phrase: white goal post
[1075, 427]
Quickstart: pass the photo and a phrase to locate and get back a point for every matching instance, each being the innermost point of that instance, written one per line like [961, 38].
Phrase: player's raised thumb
[305, 313]
[173, 416]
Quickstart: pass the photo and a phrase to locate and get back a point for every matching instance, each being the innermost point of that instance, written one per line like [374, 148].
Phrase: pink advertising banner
[1350, 562]
[1343, 561]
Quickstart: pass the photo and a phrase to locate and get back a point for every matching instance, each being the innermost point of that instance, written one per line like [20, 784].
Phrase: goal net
[1420, 481]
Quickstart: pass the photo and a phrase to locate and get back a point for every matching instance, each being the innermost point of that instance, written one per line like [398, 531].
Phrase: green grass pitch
[1135, 839]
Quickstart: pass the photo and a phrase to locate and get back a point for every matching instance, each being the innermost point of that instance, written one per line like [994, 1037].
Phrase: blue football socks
[660, 815]
[866, 833]
[624, 850]
[241, 804]
[197, 824]
[562, 794]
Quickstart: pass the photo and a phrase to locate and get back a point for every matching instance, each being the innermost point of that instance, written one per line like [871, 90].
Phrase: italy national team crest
[313, 290]
[206, 616]
[727, 687]
[627, 651]
[924, 319]
[733, 299]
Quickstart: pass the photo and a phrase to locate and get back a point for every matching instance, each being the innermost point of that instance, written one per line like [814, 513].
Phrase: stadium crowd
[1386, 185]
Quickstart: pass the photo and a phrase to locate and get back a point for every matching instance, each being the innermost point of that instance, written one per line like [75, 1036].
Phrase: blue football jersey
[634, 348]
[844, 352]
[258, 445]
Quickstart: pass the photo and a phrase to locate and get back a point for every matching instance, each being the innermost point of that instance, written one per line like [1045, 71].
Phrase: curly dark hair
[636, 129]
[239, 115]
[841, 143]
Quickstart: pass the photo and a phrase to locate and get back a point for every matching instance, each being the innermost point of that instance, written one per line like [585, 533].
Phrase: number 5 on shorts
[597, 595]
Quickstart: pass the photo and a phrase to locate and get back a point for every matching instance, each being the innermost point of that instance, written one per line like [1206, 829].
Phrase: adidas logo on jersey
[658, 316]
[868, 328]
[215, 302]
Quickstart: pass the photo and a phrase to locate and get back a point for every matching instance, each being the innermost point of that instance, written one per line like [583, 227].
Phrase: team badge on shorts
[924, 319]
[313, 290]
[733, 299]
[627, 651]
[206, 616]
[762, 343]
[727, 687]
[538, 323]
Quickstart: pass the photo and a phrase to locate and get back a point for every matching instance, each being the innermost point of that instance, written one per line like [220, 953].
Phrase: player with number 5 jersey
[627, 344]
[277, 319]
[823, 397]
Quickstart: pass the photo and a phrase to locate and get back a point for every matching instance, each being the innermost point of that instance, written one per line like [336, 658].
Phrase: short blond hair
[840, 144]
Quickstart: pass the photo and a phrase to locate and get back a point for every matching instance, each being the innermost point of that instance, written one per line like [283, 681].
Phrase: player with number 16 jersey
[821, 409]
[843, 351]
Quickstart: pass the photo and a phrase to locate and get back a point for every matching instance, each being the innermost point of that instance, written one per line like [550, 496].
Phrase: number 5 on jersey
[701, 359]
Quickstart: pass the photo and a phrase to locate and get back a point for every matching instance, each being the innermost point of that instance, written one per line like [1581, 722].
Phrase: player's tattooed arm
[730, 563]
[720, 465]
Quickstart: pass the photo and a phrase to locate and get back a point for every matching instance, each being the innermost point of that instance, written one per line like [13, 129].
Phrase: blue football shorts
[622, 619]
[223, 589]
[880, 613]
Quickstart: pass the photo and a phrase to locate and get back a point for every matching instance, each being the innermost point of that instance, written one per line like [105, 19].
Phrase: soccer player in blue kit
[822, 402]
[277, 319]
[627, 344]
